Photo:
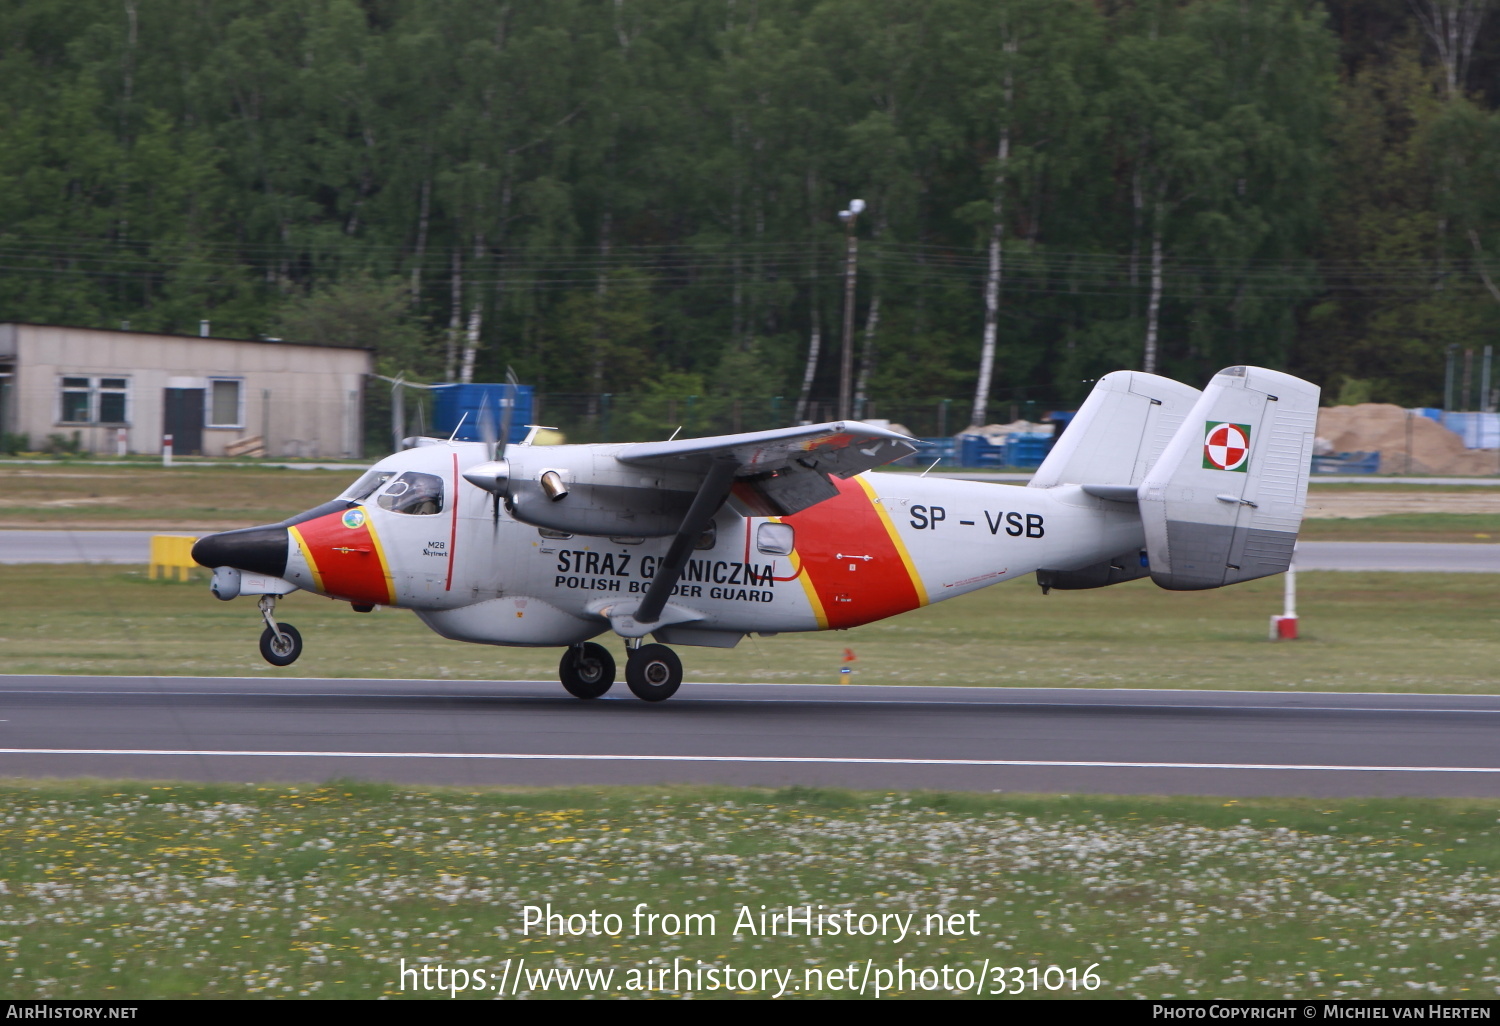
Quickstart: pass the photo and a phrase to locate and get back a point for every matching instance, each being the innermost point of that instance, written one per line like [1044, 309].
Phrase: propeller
[508, 410]
[493, 475]
[486, 426]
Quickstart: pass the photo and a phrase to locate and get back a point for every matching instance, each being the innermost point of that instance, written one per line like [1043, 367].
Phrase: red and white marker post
[166, 450]
[1284, 627]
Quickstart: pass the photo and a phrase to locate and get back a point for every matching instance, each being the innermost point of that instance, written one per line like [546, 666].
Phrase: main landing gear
[280, 643]
[652, 672]
[587, 670]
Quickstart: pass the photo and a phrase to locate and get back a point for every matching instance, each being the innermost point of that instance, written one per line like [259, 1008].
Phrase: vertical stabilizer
[1224, 502]
[1118, 432]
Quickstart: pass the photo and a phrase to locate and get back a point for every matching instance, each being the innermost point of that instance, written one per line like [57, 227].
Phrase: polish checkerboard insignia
[1226, 447]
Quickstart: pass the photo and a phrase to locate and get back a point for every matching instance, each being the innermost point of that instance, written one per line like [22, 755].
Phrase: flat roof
[168, 334]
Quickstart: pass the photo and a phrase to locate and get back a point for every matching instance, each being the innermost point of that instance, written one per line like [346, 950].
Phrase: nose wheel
[280, 644]
[653, 672]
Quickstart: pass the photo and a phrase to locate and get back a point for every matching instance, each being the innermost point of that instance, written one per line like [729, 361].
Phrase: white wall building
[208, 393]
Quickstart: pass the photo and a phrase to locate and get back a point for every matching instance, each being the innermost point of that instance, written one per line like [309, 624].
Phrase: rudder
[1224, 502]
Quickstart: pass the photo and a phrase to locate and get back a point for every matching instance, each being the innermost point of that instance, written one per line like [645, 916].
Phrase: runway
[857, 736]
[126, 547]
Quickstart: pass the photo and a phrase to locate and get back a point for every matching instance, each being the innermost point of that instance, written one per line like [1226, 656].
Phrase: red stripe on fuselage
[832, 539]
[347, 559]
[452, 531]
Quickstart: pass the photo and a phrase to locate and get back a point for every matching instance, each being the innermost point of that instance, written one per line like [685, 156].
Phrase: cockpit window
[414, 494]
[367, 485]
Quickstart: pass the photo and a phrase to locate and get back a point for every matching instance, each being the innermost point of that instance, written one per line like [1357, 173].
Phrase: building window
[95, 400]
[224, 403]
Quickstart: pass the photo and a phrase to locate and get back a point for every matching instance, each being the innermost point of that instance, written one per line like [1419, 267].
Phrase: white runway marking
[788, 759]
[897, 700]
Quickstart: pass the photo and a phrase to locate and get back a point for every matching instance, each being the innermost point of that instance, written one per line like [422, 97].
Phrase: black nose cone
[260, 550]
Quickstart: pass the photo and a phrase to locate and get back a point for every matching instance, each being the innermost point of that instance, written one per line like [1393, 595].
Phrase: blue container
[465, 407]
[1478, 430]
[1347, 463]
[944, 450]
[979, 451]
[1028, 449]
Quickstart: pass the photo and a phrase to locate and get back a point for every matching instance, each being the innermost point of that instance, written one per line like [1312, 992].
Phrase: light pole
[846, 362]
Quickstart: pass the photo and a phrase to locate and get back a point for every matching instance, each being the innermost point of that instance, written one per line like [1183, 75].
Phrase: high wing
[781, 471]
[660, 489]
[845, 448]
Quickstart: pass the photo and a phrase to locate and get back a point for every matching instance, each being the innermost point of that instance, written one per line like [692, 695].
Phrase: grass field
[127, 890]
[141, 890]
[194, 495]
[214, 496]
[1360, 632]
[1407, 527]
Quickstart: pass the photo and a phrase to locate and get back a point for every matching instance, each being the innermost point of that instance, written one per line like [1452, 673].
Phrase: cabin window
[547, 532]
[708, 539]
[413, 494]
[775, 539]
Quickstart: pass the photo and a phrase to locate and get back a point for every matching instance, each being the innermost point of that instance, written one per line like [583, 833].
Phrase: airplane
[701, 541]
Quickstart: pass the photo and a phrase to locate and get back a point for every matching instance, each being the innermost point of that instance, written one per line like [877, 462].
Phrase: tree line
[640, 198]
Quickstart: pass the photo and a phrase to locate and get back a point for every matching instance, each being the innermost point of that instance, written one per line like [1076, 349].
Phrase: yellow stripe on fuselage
[306, 550]
[807, 586]
[901, 550]
[385, 564]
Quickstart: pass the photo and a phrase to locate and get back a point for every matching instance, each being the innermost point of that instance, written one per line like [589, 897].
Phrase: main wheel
[653, 672]
[587, 671]
[283, 649]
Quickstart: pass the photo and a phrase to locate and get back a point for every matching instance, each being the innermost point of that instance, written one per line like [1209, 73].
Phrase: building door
[183, 420]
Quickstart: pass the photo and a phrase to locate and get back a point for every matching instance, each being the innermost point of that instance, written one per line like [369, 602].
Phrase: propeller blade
[487, 432]
[508, 410]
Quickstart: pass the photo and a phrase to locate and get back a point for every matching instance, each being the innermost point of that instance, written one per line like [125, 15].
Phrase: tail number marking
[927, 517]
[1032, 525]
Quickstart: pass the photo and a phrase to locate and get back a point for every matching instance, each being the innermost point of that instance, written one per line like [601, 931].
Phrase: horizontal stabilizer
[1118, 432]
[1114, 493]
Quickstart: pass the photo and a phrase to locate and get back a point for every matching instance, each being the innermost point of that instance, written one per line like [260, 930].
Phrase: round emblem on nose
[354, 518]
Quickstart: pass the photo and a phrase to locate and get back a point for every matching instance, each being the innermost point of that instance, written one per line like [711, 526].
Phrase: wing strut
[711, 495]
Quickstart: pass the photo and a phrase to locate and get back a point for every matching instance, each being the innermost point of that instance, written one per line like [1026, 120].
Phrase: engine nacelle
[584, 489]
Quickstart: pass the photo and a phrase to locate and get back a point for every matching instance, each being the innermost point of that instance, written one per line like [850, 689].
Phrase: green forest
[635, 204]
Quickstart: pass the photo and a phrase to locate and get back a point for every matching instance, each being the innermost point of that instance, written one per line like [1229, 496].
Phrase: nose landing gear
[280, 644]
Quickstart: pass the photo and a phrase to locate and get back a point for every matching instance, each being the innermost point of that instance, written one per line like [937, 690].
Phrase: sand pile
[1014, 427]
[1406, 442]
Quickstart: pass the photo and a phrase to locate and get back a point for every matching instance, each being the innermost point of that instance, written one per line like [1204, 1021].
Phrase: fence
[634, 417]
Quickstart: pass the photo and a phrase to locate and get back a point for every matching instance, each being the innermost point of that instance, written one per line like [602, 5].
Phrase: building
[124, 391]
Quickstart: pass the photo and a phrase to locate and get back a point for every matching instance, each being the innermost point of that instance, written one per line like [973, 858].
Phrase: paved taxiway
[860, 736]
[135, 547]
